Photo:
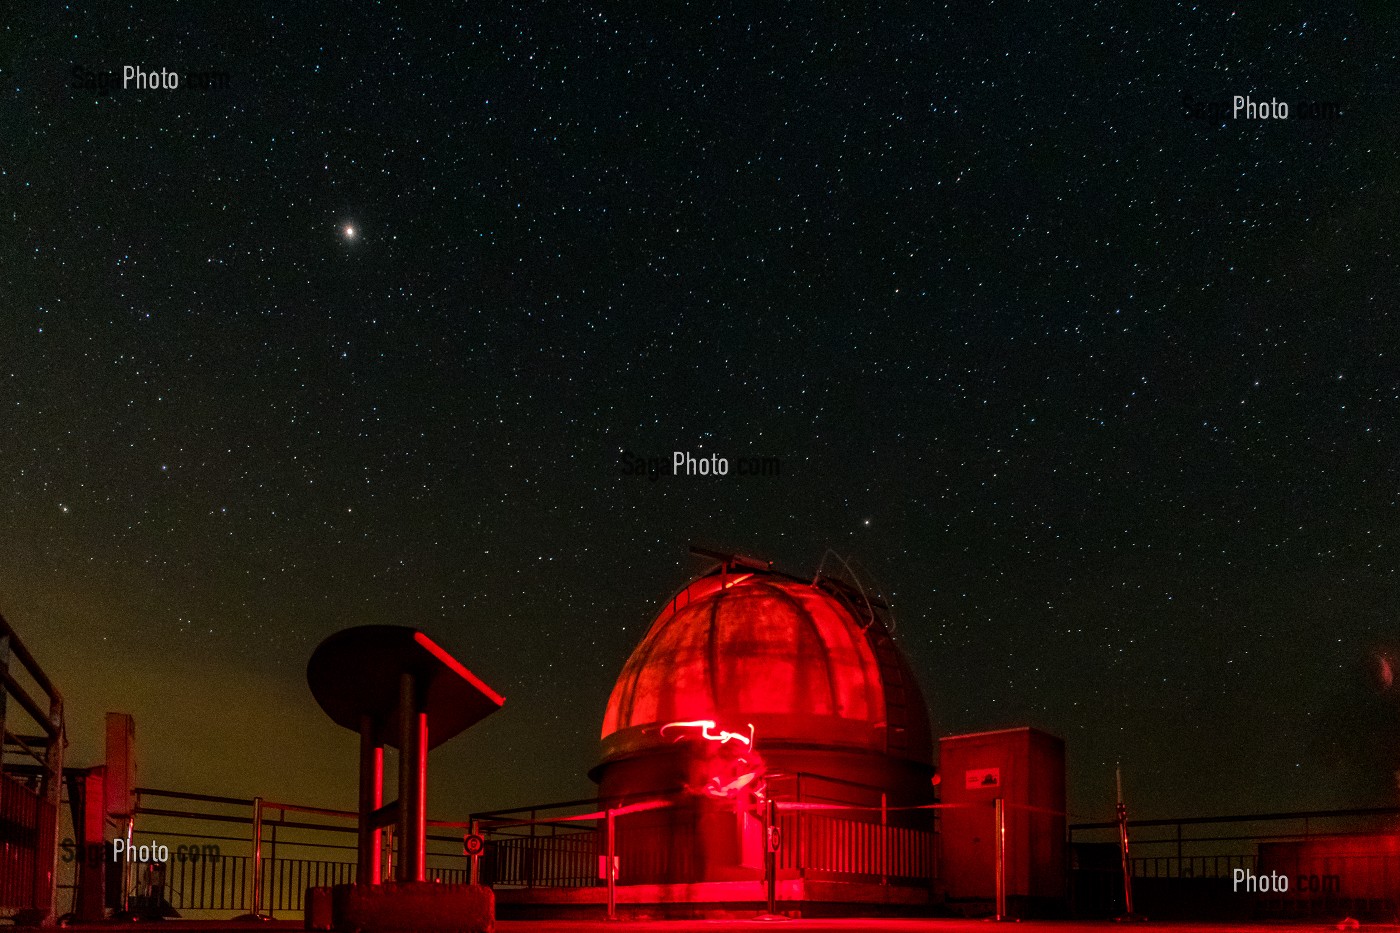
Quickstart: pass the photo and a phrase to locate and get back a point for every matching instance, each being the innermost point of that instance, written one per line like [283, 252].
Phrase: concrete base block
[403, 907]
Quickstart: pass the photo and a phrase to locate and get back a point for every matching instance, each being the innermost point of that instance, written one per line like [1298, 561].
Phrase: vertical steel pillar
[475, 860]
[46, 863]
[1000, 843]
[770, 846]
[611, 866]
[257, 856]
[884, 838]
[1127, 862]
[371, 799]
[126, 865]
[1123, 845]
[413, 782]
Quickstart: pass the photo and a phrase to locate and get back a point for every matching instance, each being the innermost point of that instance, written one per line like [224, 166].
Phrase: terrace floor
[790, 926]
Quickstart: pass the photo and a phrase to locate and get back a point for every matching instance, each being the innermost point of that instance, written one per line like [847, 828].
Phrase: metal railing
[247, 875]
[1335, 862]
[534, 847]
[29, 793]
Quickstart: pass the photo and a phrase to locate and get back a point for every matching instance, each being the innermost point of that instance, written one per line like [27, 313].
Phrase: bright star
[349, 232]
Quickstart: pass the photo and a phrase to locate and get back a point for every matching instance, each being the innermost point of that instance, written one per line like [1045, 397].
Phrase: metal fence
[1319, 864]
[860, 842]
[302, 848]
[29, 792]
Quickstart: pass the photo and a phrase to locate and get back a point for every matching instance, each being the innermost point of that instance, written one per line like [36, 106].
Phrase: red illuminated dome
[811, 668]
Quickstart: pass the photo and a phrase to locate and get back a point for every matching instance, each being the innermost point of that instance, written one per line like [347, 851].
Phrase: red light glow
[706, 727]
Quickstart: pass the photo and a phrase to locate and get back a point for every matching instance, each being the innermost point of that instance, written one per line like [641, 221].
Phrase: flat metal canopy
[355, 673]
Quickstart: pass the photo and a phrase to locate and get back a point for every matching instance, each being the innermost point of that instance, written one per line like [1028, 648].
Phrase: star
[349, 232]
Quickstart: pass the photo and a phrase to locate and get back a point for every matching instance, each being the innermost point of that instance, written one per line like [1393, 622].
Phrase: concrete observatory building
[753, 683]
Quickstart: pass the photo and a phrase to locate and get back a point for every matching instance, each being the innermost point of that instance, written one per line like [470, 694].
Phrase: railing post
[611, 864]
[530, 853]
[1000, 849]
[126, 865]
[800, 824]
[884, 838]
[771, 841]
[475, 860]
[257, 857]
[53, 794]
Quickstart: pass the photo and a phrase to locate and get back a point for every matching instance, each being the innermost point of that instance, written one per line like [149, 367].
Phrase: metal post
[371, 799]
[1127, 862]
[531, 852]
[1000, 843]
[884, 838]
[770, 844]
[126, 865]
[4, 694]
[612, 865]
[475, 859]
[1123, 846]
[800, 824]
[413, 782]
[53, 793]
[257, 856]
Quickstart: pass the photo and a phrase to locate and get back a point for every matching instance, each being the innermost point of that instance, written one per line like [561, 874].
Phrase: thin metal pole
[1123, 845]
[475, 859]
[1127, 862]
[612, 865]
[884, 838]
[770, 842]
[1001, 857]
[801, 824]
[257, 856]
[53, 792]
[126, 865]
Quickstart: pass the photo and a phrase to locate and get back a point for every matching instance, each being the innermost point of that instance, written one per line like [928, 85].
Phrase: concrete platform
[791, 926]
[813, 898]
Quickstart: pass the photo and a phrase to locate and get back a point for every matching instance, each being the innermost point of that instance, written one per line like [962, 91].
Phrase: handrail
[14, 689]
[18, 649]
[181, 795]
[626, 798]
[1248, 818]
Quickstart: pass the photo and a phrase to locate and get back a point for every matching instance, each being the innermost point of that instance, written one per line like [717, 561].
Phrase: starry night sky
[1105, 396]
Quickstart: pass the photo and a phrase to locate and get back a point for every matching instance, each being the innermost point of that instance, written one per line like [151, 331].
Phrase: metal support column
[367, 870]
[1000, 844]
[257, 857]
[771, 841]
[611, 866]
[413, 781]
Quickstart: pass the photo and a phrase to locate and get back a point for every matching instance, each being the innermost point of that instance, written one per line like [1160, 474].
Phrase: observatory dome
[809, 667]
